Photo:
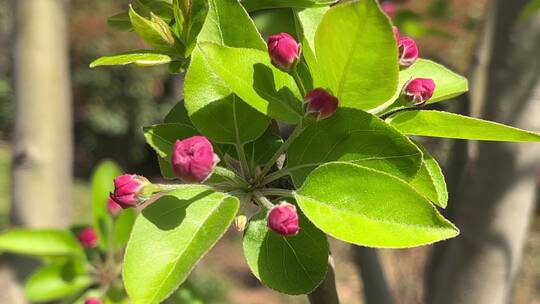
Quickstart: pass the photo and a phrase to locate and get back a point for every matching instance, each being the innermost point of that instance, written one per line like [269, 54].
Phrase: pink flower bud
[193, 159]
[388, 8]
[283, 219]
[321, 103]
[408, 51]
[92, 301]
[128, 190]
[113, 207]
[419, 90]
[88, 237]
[284, 51]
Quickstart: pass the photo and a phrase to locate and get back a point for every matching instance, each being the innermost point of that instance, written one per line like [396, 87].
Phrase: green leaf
[354, 136]
[102, 185]
[56, 281]
[359, 61]
[195, 19]
[178, 114]
[120, 22]
[253, 5]
[256, 80]
[370, 208]
[40, 242]
[169, 238]
[122, 228]
[212, 106]
[450, 125]
[162, 8]
[215, 110]
[429, 181]
[292, 265]
[447, 83]
[529, 10]
[308, 21]
[261, 151]
[140, 58]
[154, 32]
[162, 138]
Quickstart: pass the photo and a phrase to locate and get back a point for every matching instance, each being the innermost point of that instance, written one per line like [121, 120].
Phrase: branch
[326, 293]
[376, 289]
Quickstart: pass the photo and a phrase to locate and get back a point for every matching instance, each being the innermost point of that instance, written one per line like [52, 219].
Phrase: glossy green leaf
[354, 136]
[56, 281]
[308, 21]
[154, 32]
[140, 58]
[40, 242]
[253, 5]
[122, 227]
[212, 106]
[102, 185]
[429, 181]
[251, 76]
[193, 24]
[178, 114]
[169, 238]
[447, 83]
[370, 208]
[359, 61]
[162, 138]
[292, 265]
[450, 125]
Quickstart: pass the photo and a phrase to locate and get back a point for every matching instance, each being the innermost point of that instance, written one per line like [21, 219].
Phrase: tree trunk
[42, 140]
[376, 290]
[493, 203]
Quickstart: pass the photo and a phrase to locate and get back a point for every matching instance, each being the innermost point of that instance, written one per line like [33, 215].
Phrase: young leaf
[256, 80]
[354, 136]
[429, 181]
[449, 125]
[292, 265]
[195, 18]
[120, 22]
[140, 58]
[162, 138]
[157, 34]
[40, 242]
[253, 5]
[170, 237]
[360, 60]
[370, 208]
[56, 281]
[122, 228]
[212, 106]
[102, 185]
[447, 83]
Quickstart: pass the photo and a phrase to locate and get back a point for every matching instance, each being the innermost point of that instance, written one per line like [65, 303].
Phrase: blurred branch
[375, 289]
[326, 293]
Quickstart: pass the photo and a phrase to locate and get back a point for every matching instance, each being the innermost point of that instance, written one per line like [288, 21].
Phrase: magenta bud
[88, 237]
[419, 90]
[320, 103]
[408, 51]
[92, 301]
[388, 8]
[283, 219]
[113, 207]
[193, 159]
[129, 190]
[284, 51]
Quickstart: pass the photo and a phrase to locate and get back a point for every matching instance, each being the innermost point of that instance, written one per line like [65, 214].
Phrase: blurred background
[58, 119]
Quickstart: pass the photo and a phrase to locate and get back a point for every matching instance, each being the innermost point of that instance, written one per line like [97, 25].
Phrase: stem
[262, 200]
[244, 166]
[297, 131]
[275, 175]
[277, 192]
[376, 290]
[299, 83]
[326, 293]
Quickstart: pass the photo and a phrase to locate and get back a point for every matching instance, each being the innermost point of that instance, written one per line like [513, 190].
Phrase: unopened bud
[284, 51]
[88, 237]
[419, 90]
[193, 159]
[240, 223]
[408, 51]
[163, 28]
[283, 219]
[92, 301]
[389, 8]
[131, 190]
[113, 207]
[320, 103]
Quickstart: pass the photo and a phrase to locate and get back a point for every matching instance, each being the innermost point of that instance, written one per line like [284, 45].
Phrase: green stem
[275, 175]
[276, 192]
[299, 83]
[244, 166]
[262, 200]
[297, 131]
